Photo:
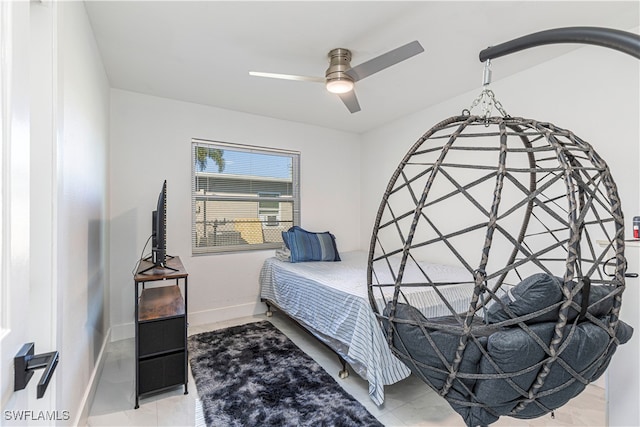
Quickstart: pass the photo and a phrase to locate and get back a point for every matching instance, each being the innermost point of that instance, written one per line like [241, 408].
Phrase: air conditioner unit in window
[272, 220]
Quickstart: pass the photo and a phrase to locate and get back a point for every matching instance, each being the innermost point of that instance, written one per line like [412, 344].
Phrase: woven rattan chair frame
[551, 197]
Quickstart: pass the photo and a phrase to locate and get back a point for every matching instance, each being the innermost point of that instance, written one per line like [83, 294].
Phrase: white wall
[81, 207]
[151, 142]
[593, 91]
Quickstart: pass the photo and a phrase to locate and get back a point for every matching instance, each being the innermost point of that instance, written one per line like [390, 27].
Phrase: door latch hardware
[25, 363]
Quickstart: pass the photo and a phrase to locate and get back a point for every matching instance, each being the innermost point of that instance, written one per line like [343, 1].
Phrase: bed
[330, 300]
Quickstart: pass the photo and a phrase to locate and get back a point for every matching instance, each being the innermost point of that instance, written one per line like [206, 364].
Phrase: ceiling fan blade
[288, 77]
[350, 100]
[385, 60]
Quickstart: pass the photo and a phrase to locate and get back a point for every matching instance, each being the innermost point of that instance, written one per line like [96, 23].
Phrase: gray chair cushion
[412, 344]
[540, 291]
[585, 354]
[420, 343]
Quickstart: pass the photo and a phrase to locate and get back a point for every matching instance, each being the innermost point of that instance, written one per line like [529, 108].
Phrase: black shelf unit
[161, 359]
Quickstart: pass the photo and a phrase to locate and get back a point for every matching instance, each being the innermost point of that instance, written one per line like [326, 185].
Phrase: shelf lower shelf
[160, 302]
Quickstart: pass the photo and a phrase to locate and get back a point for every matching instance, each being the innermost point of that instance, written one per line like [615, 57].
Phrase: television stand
[163, 266]
[161, 359]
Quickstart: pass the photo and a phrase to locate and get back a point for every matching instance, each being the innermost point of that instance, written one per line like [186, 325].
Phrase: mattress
[331, 299]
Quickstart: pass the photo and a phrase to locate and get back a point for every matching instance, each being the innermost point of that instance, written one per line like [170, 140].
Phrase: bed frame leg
[269, 313]
[344, 372]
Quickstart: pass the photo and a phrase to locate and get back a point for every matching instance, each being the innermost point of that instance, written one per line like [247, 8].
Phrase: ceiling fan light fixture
[340, 77]
[339, 85]
[337, 81]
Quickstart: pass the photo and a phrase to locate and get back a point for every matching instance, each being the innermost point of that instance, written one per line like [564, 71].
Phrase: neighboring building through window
[269, 211]
[243, 197]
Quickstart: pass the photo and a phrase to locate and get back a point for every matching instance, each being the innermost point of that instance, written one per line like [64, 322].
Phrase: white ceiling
[202, 52]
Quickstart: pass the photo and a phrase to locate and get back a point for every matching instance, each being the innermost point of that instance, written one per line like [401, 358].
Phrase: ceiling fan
[340, 76]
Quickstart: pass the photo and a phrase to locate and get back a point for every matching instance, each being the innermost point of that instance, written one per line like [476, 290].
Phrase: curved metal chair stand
[525, 313]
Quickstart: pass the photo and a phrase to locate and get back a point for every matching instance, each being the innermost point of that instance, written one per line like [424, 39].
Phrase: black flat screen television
[159, 255]
[159, 229]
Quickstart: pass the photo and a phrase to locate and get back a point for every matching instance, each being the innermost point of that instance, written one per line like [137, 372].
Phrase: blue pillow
[308, 246]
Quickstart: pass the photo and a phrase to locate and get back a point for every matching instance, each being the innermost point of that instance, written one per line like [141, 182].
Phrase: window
[243, 197]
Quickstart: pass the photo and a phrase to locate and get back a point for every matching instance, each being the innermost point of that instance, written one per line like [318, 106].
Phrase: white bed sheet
[332, 299]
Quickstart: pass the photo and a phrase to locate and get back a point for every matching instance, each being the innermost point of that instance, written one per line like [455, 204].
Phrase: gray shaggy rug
[253, 375]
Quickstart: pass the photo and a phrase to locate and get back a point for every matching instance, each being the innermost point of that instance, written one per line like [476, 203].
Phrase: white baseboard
[203, 317]
[90, 391]
[225, 313]
[122, 332]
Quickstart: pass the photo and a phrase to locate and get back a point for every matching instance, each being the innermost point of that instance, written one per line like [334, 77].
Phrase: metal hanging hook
[486, 99]
[486, 73]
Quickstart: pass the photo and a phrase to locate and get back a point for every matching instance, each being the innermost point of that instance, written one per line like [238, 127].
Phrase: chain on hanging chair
[526, 216]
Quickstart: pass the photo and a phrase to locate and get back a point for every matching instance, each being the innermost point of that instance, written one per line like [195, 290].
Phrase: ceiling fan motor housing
[339, 63]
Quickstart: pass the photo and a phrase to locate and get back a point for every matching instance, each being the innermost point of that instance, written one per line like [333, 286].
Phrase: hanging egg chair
[513, 207]
[496, 265]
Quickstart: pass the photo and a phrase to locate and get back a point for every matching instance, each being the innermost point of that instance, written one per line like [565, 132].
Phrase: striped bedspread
[331, 298]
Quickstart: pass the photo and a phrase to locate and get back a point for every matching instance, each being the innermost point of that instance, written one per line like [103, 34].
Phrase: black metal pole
[614, 39]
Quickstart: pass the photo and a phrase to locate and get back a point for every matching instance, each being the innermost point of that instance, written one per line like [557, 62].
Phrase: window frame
[294, 199]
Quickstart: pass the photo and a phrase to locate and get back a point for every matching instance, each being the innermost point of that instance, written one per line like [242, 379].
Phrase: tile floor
[407, 403]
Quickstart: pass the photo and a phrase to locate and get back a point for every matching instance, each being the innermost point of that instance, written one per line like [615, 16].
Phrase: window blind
[243, 196]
